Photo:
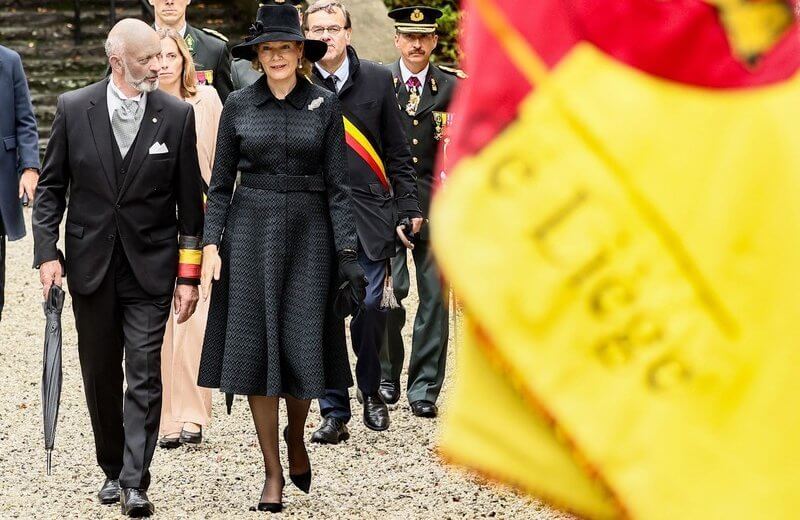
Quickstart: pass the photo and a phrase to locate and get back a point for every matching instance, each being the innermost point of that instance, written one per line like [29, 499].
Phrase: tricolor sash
[359, 139]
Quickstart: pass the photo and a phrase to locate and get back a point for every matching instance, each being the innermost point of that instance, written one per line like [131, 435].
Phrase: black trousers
[367, 330]
[121, 318]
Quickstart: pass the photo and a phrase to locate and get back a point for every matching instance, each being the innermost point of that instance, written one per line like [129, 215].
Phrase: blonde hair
[189, 75]
[303, 67]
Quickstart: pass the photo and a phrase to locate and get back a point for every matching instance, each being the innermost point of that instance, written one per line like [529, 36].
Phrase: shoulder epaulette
[456, 72]
[217, 34]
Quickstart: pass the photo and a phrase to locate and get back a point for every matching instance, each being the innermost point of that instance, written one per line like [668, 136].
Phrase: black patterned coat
[270, 327]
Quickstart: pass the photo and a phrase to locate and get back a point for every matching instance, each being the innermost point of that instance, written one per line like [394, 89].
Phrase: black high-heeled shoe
[303, 480]
[270, 507]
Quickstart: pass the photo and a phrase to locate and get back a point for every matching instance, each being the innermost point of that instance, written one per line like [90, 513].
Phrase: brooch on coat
[315, 103]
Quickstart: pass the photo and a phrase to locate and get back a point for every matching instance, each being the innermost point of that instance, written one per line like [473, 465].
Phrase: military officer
[212, 59]
[242, 71]
[423, 93]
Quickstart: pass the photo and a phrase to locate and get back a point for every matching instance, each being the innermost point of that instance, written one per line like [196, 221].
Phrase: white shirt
[342, 73]
[114, 102]
[182, 32]
[407, 73]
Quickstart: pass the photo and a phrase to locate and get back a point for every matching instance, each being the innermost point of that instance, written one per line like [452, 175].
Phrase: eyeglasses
[333, 30]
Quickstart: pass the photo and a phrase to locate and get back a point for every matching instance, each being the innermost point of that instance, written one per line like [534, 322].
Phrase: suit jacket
[368, 100]
[19, 140]
[425, 132]
[141, 213]
[211, 57]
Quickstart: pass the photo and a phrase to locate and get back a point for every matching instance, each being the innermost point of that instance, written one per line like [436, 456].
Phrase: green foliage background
[447, 50]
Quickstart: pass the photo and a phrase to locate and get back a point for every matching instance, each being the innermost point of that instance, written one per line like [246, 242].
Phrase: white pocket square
[158, 148]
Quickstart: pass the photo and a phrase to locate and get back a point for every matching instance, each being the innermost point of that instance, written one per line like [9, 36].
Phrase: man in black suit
[384, 191]
[126, 152]
[212, 59]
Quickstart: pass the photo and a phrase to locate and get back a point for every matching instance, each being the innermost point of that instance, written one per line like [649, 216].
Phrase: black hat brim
[313, 50]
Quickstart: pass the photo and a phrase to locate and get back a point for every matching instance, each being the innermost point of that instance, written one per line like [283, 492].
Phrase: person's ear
[435, 40]
[151, 2]
[347, 33]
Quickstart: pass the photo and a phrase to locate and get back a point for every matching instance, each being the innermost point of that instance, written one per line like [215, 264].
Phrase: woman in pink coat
[186, 407]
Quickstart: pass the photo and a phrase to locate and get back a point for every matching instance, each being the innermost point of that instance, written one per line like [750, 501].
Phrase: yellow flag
[627, 242]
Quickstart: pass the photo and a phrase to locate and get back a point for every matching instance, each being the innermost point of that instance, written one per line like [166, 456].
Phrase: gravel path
[390, 475]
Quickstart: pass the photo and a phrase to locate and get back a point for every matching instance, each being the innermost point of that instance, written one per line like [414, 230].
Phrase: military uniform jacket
[426, 129]
[211, 58]
[368, 100]
[242, 74]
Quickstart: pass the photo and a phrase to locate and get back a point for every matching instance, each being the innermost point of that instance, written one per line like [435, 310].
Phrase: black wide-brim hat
[278, 23]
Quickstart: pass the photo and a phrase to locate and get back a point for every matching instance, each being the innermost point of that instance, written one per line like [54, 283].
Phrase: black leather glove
[351, 271]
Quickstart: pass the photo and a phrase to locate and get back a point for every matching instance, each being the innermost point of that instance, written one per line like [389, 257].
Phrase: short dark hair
[328, 6]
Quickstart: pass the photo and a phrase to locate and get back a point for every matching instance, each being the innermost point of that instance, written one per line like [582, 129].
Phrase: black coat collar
[297, 97]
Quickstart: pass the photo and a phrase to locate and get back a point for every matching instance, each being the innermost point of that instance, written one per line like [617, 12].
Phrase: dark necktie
[330, 83]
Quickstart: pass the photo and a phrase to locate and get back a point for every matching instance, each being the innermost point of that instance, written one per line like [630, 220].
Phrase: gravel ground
[389, 475]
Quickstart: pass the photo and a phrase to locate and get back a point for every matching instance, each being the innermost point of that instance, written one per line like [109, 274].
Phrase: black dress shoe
[191, 437]
[331, 431]
[169, 443]
[424, 408]
[109, 493]
[301, 480]
[376, 413]
[390, 391]
[135, 503]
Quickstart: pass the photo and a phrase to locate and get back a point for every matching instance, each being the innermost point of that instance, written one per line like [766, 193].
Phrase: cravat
[125, 123]
[413, 84]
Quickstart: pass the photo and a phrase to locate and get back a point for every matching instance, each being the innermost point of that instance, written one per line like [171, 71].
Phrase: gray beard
[139, 84]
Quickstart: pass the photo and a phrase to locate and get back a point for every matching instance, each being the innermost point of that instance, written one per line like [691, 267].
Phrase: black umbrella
[51, 375]
[228, 402]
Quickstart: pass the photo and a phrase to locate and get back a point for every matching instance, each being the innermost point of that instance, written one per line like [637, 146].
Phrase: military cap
[415, 19]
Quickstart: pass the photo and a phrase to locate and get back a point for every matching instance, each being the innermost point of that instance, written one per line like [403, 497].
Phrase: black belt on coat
[283, 183]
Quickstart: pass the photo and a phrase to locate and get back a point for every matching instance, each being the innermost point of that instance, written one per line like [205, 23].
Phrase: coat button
[415, 160]
[415, 141]
[110, 237]
[117, 206]
[416, 122]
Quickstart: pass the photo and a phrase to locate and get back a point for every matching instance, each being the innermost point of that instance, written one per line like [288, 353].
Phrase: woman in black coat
[272, 246]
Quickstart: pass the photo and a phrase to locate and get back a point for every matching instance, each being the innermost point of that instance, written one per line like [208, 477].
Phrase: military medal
[434, 86]
[413, 102]
[205, 77]
[441, 121]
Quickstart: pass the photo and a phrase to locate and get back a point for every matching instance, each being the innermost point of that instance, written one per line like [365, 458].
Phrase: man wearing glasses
[384, 190]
